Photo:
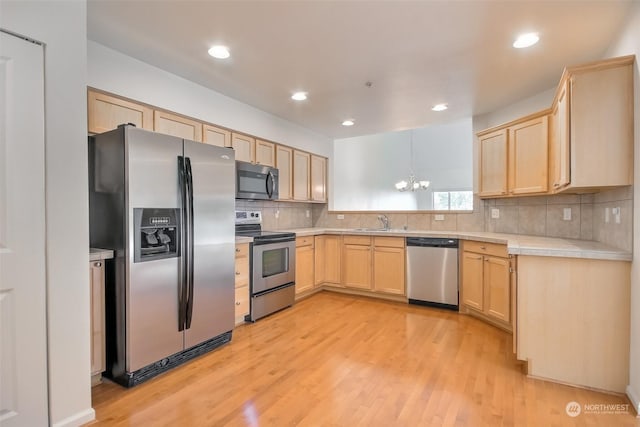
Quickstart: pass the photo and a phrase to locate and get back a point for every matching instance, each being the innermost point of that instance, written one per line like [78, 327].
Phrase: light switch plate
[566, 214]
[340, 216]
[439, 217]
[277, 214]
[308, 213]
[616, 214]
[495, 213]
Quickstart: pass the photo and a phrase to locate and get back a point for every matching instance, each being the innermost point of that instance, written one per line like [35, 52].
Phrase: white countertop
[517, 244]
[97, 254]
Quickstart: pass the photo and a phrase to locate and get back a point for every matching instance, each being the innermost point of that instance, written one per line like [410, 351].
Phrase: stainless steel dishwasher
[432, 271]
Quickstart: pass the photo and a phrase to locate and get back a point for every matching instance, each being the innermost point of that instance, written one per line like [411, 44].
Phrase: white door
[23, 341]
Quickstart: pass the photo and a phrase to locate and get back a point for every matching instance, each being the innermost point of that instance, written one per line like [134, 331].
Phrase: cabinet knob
[237, 249]
[484, 248]
[237, 302]
[97, 264]
[237, 273]
[555, 184]
[486, 260]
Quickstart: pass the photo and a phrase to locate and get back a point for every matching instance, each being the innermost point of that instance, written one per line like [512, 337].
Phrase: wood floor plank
[341, 360]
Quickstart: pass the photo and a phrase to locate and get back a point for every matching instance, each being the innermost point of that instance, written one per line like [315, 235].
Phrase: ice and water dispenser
[156, 233]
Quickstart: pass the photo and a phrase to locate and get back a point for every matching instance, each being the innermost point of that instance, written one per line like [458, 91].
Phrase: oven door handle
[272, 240]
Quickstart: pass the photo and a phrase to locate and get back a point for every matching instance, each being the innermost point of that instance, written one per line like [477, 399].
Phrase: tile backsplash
[587, 217]
[280, 215]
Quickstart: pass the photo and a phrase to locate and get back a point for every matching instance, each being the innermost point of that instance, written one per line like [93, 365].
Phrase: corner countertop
[517, 244]
[97, 254]
[243, 239]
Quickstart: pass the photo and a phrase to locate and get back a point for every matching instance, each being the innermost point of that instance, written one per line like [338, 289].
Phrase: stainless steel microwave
[256, 182]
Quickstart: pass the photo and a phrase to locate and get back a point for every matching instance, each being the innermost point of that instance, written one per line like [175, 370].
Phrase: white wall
[629, 44]
[61, 25]
[367, 167]
[115, 72]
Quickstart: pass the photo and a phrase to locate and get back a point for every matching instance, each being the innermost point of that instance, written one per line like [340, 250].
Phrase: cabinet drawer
[357, 240]
[242, 271]
[389, 242]
[242, 250]
[486, 248]
[304, 241]
[242, 301]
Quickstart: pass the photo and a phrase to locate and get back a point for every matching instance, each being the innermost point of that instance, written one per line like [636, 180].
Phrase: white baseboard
[633, 397]
[77, 420]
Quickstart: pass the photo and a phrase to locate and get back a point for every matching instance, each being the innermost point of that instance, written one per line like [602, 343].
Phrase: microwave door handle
[270, 187]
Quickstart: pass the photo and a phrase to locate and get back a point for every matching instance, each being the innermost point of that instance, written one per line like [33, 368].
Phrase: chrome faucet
[385, 221]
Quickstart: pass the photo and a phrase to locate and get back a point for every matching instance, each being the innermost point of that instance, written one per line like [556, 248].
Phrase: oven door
[274, 264]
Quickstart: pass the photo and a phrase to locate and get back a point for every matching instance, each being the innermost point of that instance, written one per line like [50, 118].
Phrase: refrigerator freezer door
[152, 291]
[213, 171]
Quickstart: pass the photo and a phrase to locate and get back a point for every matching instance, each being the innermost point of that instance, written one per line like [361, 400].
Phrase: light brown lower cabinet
[486, 282]
[356, 262]
[96, 284]
[305, 255]
[242, 282]
[389, 265]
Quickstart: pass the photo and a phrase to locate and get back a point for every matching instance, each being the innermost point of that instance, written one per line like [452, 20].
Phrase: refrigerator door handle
[190, 242]
[182, 282]
[271, 178]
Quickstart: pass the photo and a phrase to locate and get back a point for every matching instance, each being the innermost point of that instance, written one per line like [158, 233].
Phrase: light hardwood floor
[340, 360]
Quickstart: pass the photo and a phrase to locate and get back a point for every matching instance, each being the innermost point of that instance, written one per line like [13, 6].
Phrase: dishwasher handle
[432, 242]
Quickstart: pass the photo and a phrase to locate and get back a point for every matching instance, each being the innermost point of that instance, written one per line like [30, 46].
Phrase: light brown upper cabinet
[493, 163]
[301, 175]
[528, 157]
[216, 136]
[265, 153]
[245, 147]
[318, 179]
[592, 127]
[284, 163]
[172, 124]
[513, 158]
[106, 112]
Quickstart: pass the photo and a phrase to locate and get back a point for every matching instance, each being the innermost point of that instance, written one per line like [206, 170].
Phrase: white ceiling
[416, 53]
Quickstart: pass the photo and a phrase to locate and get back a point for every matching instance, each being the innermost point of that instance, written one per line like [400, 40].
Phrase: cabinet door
[493, 164]
[216, 136]
[304, 268]
[106, 112]
[357, 266]
[528, 157]
[301, 171]
[319, 260]
[242, 303]
[559, 140]
[284, 163]
[472, 278]
[318, 178]
[245, 147]
[97, 317]
[389, 270]
[265, 153]
[497, 288]
[332, 260]
[172, 124]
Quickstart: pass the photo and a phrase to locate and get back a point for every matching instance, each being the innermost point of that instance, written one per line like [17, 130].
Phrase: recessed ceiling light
[219, 51]
[439, 107]
[526, 40]
[348, 123]
[299, 96]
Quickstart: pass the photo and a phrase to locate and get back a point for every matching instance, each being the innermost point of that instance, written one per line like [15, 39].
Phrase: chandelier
[412, 183]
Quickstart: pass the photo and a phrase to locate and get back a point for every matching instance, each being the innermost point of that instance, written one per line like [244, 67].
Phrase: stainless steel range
[272, 264]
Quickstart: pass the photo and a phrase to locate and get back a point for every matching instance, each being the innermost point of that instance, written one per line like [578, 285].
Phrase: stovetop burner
[249, 224]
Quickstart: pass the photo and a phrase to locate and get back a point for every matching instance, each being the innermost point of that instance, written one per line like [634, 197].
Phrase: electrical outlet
[308, 213]
[566, 214]
[340, 216]
[277, 214]
[616, 214]
[439, 217]
[495, 213]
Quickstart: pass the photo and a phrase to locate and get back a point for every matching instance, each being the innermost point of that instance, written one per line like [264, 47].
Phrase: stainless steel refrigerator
[166, 207]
